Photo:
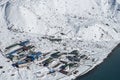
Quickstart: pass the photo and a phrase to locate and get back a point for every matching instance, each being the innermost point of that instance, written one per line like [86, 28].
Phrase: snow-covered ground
[89, 26]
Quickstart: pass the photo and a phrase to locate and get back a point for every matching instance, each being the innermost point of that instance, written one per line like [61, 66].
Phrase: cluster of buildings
[22, 54]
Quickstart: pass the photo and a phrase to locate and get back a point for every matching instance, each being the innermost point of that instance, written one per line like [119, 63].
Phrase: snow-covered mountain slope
[108, 7]
[45, 15]
[90, 26]
[53, 18]
[2, 2]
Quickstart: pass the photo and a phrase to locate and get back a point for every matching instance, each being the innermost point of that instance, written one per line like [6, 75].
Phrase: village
[23, 55]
